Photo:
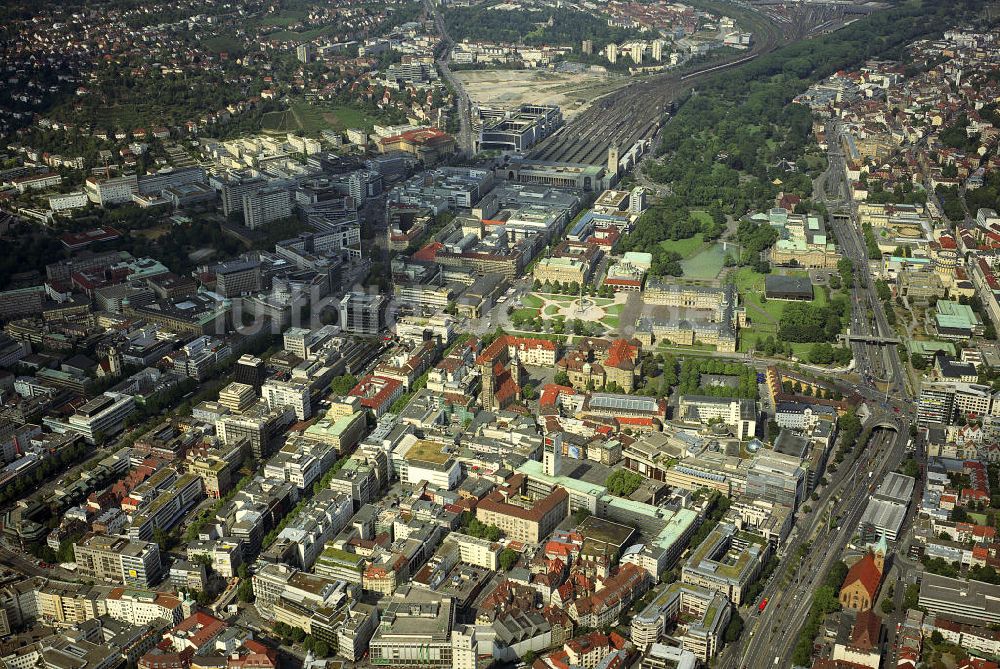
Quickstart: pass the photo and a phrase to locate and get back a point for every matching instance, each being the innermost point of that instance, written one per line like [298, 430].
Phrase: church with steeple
[861, 585]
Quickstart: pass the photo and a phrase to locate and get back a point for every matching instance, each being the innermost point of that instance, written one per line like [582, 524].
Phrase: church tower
[879, 552]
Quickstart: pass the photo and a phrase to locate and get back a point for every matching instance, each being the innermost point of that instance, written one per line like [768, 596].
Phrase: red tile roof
[551, 393]
[865, 572]
[428, 253]
[866, 631]
[622, 355]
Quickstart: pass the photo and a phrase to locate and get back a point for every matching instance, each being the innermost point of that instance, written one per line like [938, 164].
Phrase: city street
[770, 636]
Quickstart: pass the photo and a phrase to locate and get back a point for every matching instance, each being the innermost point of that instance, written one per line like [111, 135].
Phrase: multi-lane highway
[771, 633]
[466, 143]
[770, 636]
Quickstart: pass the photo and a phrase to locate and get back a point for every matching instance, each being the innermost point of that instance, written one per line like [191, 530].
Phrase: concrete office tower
[250, 370]
[266, 205]
[637, 200]
[552, 455]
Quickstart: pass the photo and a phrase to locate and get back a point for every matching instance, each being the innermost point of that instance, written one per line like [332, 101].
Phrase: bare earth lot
[573, 92]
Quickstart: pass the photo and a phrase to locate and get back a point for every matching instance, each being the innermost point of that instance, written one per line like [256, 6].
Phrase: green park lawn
[532, 300]
[750, 285]
[686, 248]
[312, 118]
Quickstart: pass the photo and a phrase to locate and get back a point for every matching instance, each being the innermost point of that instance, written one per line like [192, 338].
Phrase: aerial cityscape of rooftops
[500, 334]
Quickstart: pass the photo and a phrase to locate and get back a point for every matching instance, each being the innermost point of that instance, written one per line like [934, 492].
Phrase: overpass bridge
[869, 339]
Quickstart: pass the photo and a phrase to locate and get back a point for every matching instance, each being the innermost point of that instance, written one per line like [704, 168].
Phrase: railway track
[635, 112]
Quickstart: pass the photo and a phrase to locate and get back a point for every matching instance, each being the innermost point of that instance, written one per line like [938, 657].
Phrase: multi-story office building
[522, 518]
[37, 182]
[238, 277]
[414, 631]
[138, 607]
[418, 460]
[131, 563]
[304, 342]
[362, 313]
[342, 565]
[475, 551]
[54, 602]
[218, 468]
[102, 416]
[801, 416]
[67, 201]
[358, 478]
[237, 397]
[251, 371]
[777, 478]
[263, 206]
[416, 329]
[727, 562]
[225, 555]
[306, 53]
[518, 129]
[936, 404]
[706, 613]
[200, 356]
[274, 582]
[327, 514]
[152, 184]
[258, 425]
[22, 302]
[961, 600]
[944, 402]
[294, 395]
[738, 414]
[164, 508]
[886, 510]
[353, 635]
[232, 186]
[196, 314]
[300, 461]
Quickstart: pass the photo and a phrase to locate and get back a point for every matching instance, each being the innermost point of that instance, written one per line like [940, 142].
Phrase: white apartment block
[112, 190]
[37, 182]
[288, 395]
[478, 552]
[66, 201]
[139, 607]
